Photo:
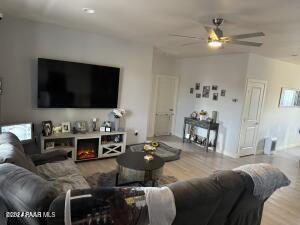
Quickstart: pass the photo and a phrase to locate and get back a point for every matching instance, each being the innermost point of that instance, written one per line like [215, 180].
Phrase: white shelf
[79, 135]
[67, 149]
[112, 143]
[74, 138]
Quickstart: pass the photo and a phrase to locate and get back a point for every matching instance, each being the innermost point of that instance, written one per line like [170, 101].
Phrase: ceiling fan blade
[211, 32]
[191, 43]
[250, 35]
[184, 36]
[247, 43]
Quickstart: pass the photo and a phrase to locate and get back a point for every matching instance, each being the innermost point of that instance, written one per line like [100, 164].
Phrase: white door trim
[155, 101]
[261, 113]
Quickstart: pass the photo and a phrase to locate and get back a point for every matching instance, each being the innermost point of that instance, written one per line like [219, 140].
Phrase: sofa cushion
[63, 174]
[9, 153]
[24, 191]
[10, 138]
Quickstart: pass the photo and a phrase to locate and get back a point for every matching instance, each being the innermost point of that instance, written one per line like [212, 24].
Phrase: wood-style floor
[283, 208]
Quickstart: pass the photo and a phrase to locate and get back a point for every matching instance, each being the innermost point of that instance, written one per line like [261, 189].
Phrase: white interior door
[254, 100]
[166, 90]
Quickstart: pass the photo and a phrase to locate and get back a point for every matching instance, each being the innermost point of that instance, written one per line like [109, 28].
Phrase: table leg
[153, 183]
[183, 138]
[207, 139]
[216, 139]
[117, 179]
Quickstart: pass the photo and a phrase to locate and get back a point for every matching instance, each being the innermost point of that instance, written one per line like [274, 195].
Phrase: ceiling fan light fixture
[214, 44]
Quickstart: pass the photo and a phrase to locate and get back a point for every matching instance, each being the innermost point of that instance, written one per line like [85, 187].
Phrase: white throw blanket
[266, 178]
[161, 205]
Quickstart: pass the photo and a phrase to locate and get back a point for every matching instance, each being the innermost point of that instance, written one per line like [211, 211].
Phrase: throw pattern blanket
[266, 179]
[63, 175]
[120, 206]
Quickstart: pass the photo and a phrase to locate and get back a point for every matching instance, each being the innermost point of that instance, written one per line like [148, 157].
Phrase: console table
[209, 126]
[86, 146]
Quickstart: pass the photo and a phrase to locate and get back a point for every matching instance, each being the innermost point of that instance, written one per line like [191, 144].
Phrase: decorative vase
[117, 124]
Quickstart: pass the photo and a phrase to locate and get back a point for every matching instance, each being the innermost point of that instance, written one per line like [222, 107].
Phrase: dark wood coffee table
[133, 165]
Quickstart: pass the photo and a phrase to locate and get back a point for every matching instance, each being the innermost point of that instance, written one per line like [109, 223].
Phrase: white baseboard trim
[283, 147]
[231, 155]
[178, 135]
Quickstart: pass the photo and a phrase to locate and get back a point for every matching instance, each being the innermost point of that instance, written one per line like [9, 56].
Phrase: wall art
[215, 96]
[206, 90]
[214, 87]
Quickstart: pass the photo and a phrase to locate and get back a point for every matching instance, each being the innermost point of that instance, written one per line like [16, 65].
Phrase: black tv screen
[64, 84]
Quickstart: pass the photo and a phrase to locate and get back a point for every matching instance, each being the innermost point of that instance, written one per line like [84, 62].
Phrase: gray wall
[23, 41]
[280, 122]
[229, 73]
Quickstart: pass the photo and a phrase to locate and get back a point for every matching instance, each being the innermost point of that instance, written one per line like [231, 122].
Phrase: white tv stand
[86, 146]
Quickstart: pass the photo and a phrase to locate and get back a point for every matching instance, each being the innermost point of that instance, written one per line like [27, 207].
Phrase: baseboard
[178, 135]
[283, 147]
[259, 152]
[231, 155]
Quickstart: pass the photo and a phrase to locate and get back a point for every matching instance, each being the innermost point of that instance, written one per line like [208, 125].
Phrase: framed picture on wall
[223, 93]
[198, 95]
[191, 90]
[215, 96]
[197, 86]
[205, 92]
[214, 87]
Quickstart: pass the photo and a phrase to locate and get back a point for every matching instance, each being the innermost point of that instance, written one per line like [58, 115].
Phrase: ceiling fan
[216, 39]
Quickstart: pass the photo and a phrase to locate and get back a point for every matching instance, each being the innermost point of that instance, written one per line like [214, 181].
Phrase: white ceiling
[151, 22]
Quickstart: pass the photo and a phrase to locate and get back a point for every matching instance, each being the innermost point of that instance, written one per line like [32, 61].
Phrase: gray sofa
[55, 167]
[38, 184]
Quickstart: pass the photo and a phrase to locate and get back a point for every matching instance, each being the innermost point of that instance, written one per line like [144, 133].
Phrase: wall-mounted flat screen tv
[64, 84]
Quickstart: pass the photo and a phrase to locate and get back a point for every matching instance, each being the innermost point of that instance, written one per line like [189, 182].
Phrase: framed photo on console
[47, 128]
[66, 127]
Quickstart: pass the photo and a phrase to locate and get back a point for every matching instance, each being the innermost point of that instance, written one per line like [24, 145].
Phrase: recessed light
[88, 10]
[294, 55]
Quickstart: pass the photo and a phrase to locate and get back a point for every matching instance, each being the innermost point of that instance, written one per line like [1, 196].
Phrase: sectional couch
[38, 184]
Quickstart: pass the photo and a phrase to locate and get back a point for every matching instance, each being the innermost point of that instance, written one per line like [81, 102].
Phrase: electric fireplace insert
[87, 148]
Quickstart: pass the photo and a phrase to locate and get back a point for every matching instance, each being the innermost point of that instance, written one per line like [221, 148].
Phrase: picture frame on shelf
[66, 127]
[57, 129]
[49, 145]
[47, 128]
